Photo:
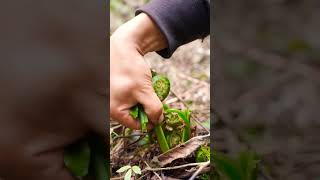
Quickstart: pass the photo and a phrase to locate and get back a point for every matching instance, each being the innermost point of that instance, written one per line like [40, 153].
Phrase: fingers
[152, 105]
[124, 118]
[150, 126]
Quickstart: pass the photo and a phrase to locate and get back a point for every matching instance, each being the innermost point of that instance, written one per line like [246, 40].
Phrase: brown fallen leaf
[181, 151]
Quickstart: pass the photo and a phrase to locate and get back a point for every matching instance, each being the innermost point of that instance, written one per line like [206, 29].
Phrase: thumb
[151, 105]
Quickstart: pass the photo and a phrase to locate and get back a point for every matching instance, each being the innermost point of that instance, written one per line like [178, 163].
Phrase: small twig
[199, 170]
[116, 127]
[174, 167]
[117, 147]
[172, 100]
[153, 171]
[132, 135]
[195, 80]
[117, 178]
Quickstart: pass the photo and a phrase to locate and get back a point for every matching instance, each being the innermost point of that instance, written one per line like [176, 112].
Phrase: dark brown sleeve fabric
[181, 21]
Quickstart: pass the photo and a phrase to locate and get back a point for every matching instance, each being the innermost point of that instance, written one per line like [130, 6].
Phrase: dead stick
[199, 170]
[153, 171]
[175, 167]
[117, 178]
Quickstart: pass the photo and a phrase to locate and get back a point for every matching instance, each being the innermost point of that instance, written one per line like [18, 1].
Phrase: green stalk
[139, 112]
[187, 129]
[143, 120]
[161, 139]
[158, 129]
[161, 86]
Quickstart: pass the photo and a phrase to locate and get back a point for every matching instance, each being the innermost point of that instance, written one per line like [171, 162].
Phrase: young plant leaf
[165, 107]
[136, 169]
[249, 164]
[185, 115]
[161, 86]
[77, 158]
[227, 167]
[128, 175]
[123, 169]
[134, 112]
[143, 120]
[244, 167]
[203, 154]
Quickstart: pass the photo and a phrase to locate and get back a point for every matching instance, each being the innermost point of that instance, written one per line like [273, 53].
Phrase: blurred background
[266, 82]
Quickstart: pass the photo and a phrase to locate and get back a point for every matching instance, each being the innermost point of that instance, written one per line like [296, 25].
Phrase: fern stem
[161, 139]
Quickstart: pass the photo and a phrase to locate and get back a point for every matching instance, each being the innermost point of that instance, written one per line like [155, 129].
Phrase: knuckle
[156, 108]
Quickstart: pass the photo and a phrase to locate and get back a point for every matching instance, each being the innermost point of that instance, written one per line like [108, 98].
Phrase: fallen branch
[175, 167]
[117, 178]
[153, 171]
[199, 170]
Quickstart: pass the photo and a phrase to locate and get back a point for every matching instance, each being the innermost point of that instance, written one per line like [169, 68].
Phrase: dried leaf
[180, 151]
[134, 112]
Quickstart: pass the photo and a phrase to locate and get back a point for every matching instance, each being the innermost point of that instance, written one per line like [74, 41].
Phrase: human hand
[42, 112]
[130, 76]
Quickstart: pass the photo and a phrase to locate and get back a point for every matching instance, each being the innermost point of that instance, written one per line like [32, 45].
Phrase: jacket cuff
[181, 21]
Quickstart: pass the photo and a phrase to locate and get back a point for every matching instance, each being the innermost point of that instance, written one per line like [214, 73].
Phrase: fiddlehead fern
[161, 86]
[176, 127]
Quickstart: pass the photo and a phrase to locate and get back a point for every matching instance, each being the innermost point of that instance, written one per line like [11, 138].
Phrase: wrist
[142, 33]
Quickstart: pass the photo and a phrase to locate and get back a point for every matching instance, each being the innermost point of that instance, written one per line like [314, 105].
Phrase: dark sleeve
[181, 21]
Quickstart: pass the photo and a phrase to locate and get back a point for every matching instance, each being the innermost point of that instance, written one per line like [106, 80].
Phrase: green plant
[88, 157]
[129, 171]
[243, 167]
[203, 154]
[77, 158]
[161, 85]
[176, 127]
